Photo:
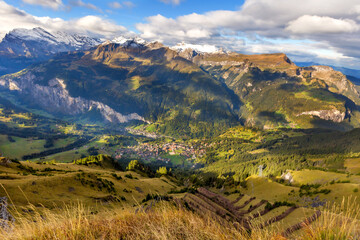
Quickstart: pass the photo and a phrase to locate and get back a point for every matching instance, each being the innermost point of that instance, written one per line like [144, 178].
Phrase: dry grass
[77, 222]
[337, 222]
[166, 221]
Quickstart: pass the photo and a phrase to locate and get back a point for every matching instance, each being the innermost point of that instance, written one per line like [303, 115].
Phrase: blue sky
[129, 16]
[305, 31]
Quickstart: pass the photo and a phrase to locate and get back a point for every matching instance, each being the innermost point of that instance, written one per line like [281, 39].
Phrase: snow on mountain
[77, 40]
[38, 42]
[180, 47]
[129, 42]
[35, 34]
[120, 40]
[23, 47]
[40, 35]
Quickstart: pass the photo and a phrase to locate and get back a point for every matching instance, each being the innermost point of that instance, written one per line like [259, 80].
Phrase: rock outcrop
[333, 115]
[55, 98]
[6, 219]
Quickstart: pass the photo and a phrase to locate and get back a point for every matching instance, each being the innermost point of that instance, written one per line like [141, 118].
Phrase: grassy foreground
[166, 221]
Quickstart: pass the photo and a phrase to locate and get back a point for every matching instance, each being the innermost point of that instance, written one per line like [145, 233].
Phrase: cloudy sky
[322, 31]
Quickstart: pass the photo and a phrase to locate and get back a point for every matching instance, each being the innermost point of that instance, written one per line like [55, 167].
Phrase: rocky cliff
[55, 98]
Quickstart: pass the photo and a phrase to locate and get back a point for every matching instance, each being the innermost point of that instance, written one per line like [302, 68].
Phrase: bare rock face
[6, 219]
[333, 115]
[287, 177]
[333, 77]
[335, 81]
[4, 161]
[56, 98]
[188, 54]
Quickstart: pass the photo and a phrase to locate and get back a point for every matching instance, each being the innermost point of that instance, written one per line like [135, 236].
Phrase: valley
[135, 132]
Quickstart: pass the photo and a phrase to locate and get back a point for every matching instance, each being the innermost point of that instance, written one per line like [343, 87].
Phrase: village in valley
[164, 152]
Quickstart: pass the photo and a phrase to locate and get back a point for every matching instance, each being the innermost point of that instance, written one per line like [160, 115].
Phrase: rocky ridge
[56, 99]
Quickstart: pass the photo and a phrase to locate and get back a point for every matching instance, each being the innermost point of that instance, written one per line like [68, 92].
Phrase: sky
[320, 31]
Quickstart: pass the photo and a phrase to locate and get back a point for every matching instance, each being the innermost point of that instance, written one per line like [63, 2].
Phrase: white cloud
[118, 5]
[175, 2]
[54, 4]
[80, 3]
[317, 25]
[332, 23]
[332, 27]
[265, 17]
[128, 4]
[98, 25]
[356, 9]
[11, 18]
[115, 5]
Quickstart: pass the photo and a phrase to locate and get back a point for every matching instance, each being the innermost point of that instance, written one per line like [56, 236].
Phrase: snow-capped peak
[41, 35]
[76, 40]
[34, 34]
[129, 42]
[120, 40]
[180, 47]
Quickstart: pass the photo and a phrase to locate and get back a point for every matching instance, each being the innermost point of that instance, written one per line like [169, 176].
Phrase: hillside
[125, 82]
[303, 173]
[93, 180]
[183, 93]
[96, 200]
[277, 93]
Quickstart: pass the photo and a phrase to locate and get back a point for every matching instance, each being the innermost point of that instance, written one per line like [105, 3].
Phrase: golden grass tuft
[77, 222]
[166, 221]
[337, 222]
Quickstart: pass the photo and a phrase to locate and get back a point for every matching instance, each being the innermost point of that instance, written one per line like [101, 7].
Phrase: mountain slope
[22, 47]
[133, 79]
[343, 70]
[277, 93]
[184, 91]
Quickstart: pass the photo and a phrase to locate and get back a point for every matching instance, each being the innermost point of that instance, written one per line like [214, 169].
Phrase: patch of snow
[180, 47]
[129, 42]
[120, 40]
[41, 35]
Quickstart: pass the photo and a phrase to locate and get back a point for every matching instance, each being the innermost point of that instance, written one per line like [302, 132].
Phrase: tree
[162, 171]
[133, 165]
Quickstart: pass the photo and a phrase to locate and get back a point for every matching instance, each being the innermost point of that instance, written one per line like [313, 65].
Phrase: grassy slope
[275, 91]
[61, 184]
[25, 146]
[237, 154]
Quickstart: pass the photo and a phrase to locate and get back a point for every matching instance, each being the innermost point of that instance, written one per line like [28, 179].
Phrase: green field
[263, 188]
[25, 146]
[55, 184]
[175, 159]
[20, 147]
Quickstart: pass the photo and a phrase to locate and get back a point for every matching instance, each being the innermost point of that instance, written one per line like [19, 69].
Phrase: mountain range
[186, 90]
[23, 47]
[352, 74]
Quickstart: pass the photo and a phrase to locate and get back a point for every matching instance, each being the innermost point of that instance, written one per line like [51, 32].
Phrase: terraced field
[247, 212]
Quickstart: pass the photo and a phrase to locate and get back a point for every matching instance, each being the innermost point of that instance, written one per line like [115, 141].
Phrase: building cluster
[158, 151]
[141, 132]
